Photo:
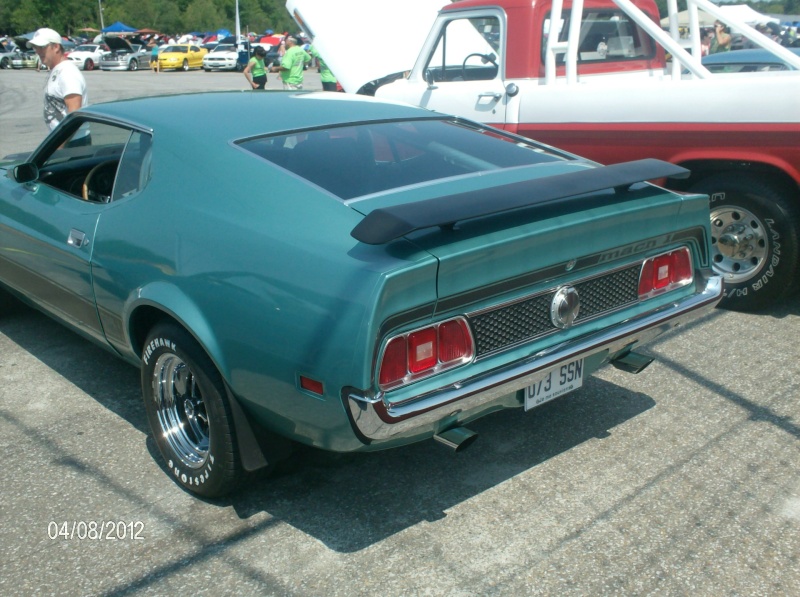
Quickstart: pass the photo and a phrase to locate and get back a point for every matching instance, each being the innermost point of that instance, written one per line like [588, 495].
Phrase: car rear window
[355, 160]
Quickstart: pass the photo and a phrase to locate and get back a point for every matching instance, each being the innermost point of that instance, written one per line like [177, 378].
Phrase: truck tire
[189, 413]
[755, 230]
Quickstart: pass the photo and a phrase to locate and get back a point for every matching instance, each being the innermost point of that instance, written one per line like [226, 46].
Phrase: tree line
[69, 17]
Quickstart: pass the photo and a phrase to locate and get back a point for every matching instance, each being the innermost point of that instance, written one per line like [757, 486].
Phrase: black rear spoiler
[386, 224]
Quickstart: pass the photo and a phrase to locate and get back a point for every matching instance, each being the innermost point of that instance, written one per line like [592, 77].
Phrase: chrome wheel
[181, 410]
[739, 243]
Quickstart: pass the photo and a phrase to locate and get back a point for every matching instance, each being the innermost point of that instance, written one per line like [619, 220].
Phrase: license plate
[555, 383]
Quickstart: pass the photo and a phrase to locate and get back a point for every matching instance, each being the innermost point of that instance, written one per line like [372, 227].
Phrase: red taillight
[394, 366]
[665, 272]
[425, 351]
[455, 341]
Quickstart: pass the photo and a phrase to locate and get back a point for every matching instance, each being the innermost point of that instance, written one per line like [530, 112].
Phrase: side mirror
[26, 172]
[429, 78]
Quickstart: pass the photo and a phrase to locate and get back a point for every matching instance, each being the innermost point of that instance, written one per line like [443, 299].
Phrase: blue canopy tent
[119, 27]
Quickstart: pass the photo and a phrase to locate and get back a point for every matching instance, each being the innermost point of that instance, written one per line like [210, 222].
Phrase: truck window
[606, 36]
[467, 50]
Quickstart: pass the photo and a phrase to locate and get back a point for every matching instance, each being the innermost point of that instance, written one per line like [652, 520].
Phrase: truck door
[463, 73]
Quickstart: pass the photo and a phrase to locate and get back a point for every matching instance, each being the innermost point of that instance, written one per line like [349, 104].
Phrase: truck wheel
[189, 413]
[754, 229]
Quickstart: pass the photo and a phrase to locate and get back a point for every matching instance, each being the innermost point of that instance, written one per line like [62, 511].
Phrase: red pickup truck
[601, 86]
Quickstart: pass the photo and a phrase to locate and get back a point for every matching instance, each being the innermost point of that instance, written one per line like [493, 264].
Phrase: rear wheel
[89, 64]
[189, 413]
[755, 229]
[185, 66]
[133, 64]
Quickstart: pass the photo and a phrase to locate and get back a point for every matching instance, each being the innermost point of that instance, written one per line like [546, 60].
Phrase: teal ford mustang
[339, 271]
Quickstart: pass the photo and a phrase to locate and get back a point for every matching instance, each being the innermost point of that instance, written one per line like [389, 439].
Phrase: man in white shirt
[65, 91]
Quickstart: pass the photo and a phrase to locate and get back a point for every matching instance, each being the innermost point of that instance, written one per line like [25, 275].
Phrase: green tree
[26, 17]
[202, 15]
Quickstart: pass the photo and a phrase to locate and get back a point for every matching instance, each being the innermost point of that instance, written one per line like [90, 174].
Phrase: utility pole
[100, 6]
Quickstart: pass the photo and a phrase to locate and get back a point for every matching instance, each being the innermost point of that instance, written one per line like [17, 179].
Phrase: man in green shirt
[325, 75]
[292, 65]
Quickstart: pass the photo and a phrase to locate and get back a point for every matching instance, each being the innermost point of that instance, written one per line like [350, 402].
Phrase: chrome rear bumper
[376, 419]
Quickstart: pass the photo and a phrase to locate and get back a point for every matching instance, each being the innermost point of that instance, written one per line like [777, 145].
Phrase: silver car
[122, 54]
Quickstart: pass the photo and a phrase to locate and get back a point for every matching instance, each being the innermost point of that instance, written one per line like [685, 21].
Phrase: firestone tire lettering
[189, 413]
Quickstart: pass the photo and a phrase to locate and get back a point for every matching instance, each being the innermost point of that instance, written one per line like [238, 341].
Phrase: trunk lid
[504, 247]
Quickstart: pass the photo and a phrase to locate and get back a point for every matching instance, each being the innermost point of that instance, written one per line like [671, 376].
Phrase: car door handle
[77, 238]
[492, 94]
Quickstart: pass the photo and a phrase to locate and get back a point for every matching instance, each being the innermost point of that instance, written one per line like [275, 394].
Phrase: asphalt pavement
[682, 480]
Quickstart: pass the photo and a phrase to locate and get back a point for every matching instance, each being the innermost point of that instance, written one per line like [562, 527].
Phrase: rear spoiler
[386, 224]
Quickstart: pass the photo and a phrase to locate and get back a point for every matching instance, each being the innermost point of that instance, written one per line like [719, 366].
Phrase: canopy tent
[747, 14]
[705, 19]
[119, 27]
[736, 11]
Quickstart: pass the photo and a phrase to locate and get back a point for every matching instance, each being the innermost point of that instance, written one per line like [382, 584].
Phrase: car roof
[241, 114]
[748, 56]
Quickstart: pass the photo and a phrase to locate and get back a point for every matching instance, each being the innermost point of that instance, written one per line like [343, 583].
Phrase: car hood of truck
[365, 40]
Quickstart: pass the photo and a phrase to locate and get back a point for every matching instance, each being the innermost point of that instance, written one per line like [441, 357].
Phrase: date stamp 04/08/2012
[95, 530]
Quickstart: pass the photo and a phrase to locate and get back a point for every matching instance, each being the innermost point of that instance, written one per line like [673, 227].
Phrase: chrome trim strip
[376, 419]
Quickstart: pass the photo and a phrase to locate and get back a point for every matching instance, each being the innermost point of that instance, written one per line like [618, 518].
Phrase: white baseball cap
[46, 36]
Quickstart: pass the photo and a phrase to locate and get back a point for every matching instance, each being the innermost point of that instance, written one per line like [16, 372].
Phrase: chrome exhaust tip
[457, 438]
[632, 362]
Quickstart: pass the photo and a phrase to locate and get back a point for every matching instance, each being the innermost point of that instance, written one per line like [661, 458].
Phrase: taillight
[665, 272]
[424, 352]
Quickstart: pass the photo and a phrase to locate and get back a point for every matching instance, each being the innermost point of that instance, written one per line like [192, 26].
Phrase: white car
[223, 57]
[87, 56]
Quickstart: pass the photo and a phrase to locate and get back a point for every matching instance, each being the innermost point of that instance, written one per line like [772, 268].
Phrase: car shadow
[350, 501]
[110, 381]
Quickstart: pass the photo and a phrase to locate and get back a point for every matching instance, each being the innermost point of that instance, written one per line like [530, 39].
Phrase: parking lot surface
[682, 480]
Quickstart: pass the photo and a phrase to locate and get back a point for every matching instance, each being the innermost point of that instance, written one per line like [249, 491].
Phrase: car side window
[97, 162]
[467, 50]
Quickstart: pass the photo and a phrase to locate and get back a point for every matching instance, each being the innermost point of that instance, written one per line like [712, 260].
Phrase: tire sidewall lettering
[154, 345]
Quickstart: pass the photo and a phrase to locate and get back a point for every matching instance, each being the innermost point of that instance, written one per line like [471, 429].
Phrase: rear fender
[142, 311]
[700, 160]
